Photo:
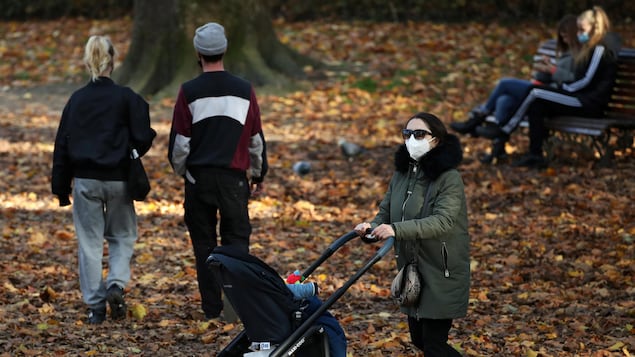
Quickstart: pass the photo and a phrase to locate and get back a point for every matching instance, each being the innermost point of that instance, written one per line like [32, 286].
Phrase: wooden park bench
[612, 131]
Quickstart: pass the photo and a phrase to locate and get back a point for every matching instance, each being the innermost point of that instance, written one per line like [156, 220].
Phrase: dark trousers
[540, 110]
[216, 193]
[431, 336]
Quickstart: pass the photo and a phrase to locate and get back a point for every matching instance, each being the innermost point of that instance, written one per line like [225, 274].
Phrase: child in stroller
[270, 309]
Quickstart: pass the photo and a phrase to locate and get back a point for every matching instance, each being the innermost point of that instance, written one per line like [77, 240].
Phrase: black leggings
[540, 110]
[431, 336]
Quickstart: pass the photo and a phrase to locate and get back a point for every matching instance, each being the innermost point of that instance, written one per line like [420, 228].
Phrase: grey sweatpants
[103, 210]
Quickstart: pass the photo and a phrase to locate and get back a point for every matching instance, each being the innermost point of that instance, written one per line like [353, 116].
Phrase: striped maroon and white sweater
[216, 124]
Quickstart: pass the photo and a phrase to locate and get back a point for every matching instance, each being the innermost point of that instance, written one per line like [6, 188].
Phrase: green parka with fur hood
[425, 203]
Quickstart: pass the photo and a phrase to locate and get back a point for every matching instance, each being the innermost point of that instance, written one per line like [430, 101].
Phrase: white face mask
[417, 148]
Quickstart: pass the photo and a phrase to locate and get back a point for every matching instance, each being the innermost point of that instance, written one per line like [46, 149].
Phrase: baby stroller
[275, 322]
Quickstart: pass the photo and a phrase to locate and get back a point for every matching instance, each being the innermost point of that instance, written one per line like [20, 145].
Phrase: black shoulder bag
[138, 183]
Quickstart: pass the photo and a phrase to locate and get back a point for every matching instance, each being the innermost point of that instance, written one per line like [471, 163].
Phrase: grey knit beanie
[210, 39]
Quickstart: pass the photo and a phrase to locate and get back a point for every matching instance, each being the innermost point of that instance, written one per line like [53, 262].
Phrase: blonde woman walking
[99, 124]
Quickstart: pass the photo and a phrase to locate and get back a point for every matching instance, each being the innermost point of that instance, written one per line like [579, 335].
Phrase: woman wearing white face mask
[425, 210]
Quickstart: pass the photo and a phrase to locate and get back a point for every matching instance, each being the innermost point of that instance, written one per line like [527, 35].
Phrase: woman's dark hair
[435, 124]
[567, 35]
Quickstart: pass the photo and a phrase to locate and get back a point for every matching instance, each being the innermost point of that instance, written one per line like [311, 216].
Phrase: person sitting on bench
[596, 69]
[510, 92]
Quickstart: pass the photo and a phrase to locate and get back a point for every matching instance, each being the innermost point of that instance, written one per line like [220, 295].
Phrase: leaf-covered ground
[553, 254]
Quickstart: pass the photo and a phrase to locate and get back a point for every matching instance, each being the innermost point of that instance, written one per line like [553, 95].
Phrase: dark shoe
[498, 151]
[531, 160]
[476, 117]
[210, 317]
[117, 304]
[490, 132]
[96, 316]
[466, 127]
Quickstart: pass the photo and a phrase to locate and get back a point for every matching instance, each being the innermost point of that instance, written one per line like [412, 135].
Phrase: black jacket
[594, 80]
[99, 124]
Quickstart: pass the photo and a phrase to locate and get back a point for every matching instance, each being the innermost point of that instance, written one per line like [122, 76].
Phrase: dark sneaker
[531, 161]
[117, 304]
[96, 316]
[491, 132]
[497, 153]
[475, 118]
[212, 317]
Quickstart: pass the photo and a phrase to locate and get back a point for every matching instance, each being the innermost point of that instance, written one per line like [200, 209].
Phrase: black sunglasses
[418, 133]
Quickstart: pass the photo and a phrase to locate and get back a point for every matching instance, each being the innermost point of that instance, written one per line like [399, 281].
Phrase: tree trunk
[162, 56]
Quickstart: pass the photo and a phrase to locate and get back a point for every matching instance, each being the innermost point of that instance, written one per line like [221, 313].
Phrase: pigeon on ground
[302, 167]
[349, 149]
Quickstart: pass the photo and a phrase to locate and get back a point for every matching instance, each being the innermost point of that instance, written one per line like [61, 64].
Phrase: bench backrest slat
[620, 113]
[622, 104]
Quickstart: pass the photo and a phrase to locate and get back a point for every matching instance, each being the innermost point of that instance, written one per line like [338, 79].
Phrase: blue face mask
[583, 37]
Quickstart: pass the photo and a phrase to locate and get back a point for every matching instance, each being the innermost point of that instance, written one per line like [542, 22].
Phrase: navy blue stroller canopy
[260, 297]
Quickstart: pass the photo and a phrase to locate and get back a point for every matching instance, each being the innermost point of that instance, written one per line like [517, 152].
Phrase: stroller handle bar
[293, 342]
[328, 252]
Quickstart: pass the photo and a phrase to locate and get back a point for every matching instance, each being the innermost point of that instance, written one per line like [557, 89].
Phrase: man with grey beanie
[218, 147]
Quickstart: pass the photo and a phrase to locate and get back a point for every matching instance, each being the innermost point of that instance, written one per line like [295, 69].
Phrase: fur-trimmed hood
[448, 155]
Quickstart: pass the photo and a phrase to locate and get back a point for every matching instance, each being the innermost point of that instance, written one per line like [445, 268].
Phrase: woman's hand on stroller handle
[380, 233]
[364, 231]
